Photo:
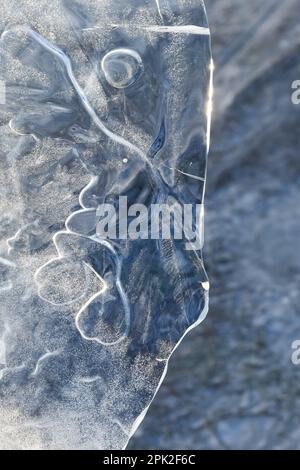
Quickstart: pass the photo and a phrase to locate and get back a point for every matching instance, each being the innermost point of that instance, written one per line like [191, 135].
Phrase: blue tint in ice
[102, 99]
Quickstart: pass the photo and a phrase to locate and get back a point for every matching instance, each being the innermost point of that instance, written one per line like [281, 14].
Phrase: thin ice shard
[105, 102]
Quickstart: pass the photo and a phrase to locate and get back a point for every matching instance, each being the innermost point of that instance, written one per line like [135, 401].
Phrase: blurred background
[231, 384]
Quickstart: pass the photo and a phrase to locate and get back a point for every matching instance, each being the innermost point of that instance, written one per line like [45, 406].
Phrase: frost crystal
[99, 99]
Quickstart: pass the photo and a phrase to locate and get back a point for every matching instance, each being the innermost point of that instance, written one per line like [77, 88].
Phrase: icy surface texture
[102, 98]
[240, 388]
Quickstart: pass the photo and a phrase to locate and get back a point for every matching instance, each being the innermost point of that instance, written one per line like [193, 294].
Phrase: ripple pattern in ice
[103, 99]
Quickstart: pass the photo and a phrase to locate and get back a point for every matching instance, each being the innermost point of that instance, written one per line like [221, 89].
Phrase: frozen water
[232, 384]
[101, 99]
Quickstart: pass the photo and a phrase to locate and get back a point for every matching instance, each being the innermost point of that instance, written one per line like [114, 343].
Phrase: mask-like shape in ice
[104, 103]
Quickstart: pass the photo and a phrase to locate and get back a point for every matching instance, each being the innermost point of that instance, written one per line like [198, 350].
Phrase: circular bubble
[122, 67]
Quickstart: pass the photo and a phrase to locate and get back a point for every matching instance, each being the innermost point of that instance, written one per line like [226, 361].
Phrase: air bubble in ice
[122, 67]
